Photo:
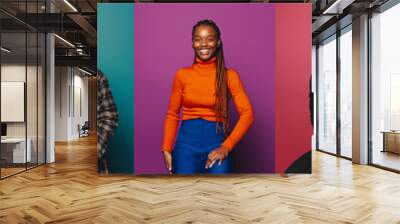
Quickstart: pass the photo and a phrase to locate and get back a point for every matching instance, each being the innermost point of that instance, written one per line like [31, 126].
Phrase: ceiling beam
[85, 61]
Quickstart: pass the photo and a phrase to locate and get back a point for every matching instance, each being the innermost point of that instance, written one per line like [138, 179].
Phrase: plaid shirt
[107, 119]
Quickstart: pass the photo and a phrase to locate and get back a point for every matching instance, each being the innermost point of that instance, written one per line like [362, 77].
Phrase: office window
[327, 95]
[313, 89]
[385, 88]
[346, 93]
[31, 99]
[22, 92]
[13, 86]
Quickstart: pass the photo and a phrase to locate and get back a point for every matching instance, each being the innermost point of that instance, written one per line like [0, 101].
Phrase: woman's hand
[168, 161]
[218, 154]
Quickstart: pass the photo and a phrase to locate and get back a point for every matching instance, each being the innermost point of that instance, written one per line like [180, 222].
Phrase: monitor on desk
[3, 130]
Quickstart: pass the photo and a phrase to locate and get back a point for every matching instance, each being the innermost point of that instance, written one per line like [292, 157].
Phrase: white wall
[81, 81]
[33, 127]
[10, 73]
[16, 72]
[71, 87]
[62, 80]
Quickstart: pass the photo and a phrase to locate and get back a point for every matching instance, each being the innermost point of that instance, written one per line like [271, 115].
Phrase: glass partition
[346, 93]
[31, 100]
[327, 95]
[13, 105]
[385, 89]
[22, 77]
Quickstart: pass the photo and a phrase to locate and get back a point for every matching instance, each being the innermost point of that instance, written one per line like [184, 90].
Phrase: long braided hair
[221, 82]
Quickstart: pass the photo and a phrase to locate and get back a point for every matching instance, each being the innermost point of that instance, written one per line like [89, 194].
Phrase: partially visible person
[203, 91]
[107, 120]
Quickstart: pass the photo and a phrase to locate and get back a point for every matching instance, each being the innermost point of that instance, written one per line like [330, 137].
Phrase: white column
[50, 94]
[360, 90]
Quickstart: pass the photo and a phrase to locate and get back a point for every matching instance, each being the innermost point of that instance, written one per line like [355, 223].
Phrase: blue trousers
[196, 139]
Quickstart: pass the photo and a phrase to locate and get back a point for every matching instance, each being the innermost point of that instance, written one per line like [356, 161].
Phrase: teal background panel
[115, 57]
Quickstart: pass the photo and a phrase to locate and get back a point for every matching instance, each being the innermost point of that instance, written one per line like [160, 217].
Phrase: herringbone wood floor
[70, 191]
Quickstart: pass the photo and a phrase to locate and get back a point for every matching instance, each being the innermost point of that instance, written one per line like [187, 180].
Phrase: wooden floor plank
[71, 191]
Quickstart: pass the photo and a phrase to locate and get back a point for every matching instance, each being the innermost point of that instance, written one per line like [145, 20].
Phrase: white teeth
[204, 51]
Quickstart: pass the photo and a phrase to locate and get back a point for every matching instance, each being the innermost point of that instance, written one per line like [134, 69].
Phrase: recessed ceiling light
[65, 41]
[70, 5]
[337, 7]
[5, 50]
[84, 71]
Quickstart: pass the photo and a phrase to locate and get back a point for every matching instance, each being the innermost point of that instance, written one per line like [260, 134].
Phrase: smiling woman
[202, 92]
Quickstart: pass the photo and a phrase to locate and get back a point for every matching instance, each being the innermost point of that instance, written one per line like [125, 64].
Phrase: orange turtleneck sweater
[194, 91]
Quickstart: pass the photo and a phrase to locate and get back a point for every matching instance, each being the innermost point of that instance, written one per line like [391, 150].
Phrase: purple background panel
[163, 45]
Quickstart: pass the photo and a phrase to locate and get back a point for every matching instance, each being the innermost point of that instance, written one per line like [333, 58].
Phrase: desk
[391, 141]
[16, 147]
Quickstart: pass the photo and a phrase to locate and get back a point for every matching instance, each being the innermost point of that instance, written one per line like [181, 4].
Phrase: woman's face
[205, 42]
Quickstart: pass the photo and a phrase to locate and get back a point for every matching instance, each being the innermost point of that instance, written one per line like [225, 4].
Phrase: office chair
[84, 130]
